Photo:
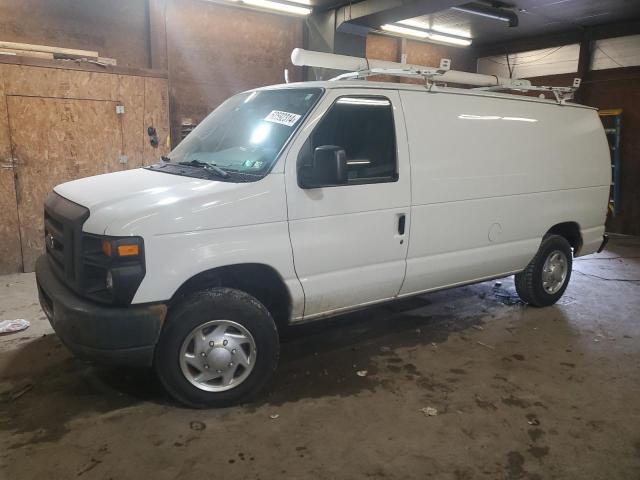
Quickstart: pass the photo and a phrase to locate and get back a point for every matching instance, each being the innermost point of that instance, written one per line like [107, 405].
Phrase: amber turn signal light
[128, 250]
[121, 250]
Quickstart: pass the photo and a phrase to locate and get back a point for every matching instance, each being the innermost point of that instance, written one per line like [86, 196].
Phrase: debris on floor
[197, 425]
[273, 416]
[13, 326]
[362, 373]
[18, 393]
[429, 411]
[533, 420]
[490, 347]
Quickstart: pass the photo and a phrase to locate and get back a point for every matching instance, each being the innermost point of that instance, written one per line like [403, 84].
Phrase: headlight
[113, 268]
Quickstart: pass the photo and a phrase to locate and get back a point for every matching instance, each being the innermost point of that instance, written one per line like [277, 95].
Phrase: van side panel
[490, 177]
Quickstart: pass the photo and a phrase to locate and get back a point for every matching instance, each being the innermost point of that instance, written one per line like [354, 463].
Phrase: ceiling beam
[370, 14]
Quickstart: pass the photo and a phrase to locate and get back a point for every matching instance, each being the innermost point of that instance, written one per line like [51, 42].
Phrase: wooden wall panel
[383, 47]
[131, 95]
[65, 126]
[156, 114]
[57, 83]
[10, 254]
[55, 141]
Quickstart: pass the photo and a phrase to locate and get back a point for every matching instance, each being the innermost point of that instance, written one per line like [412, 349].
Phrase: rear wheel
[546, 277]
[219, 347]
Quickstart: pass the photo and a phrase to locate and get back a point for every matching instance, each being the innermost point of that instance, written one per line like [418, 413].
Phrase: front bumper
[113, 335]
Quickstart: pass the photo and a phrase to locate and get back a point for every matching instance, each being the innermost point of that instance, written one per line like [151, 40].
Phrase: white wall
[534, 63]
[616, 52]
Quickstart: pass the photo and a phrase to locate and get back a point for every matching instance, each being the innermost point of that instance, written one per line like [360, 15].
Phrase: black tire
[197, 309]
[529, 282]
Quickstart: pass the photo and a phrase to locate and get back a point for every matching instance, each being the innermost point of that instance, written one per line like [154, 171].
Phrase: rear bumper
[113, 335]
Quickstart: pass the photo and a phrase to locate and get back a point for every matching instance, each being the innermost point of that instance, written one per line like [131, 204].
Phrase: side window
[363, 127]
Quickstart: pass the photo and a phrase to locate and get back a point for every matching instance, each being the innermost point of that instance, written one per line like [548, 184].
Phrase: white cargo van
[301, 201]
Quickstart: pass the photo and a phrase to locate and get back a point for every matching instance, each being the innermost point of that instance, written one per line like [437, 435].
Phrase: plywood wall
[10, 254]
[38, 93]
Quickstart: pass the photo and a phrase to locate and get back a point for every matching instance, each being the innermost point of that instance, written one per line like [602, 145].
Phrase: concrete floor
[521, 393]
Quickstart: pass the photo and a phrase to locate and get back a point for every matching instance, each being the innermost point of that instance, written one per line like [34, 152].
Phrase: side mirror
[328, 168]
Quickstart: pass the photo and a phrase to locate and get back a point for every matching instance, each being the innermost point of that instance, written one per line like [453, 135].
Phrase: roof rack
[361, 68]
[562, 94]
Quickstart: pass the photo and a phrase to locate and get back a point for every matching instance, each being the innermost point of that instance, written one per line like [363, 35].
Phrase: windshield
[247, 132]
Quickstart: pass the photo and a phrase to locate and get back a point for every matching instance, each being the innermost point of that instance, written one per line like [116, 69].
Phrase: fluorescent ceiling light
[424, 33]
[439, 37]
[405, 31]
[281, 7]
[456, 32]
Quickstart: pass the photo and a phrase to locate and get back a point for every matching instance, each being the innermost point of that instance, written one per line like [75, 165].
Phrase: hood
[145, 202]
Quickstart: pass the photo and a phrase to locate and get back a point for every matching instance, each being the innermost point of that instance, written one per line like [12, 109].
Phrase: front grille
[63, 222]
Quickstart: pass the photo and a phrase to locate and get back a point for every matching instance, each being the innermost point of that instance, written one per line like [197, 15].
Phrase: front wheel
[219, 347]
[546, 277]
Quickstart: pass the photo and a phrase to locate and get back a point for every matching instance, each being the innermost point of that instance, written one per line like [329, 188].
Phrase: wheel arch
[571, 232]
[257, 279]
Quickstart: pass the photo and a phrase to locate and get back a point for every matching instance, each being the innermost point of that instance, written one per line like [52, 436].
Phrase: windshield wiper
[207, 166]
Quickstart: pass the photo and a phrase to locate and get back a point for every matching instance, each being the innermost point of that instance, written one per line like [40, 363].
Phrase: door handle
[402, 219]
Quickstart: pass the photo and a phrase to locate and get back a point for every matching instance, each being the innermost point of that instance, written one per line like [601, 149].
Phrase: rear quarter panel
[490, 176]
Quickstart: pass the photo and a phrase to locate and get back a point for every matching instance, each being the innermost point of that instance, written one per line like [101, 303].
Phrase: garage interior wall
[215, 51]
[115, 28]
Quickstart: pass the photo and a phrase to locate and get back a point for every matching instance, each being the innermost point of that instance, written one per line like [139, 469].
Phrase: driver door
[350, 240]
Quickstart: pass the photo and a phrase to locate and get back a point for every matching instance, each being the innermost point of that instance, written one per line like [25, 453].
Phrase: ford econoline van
[297, 202]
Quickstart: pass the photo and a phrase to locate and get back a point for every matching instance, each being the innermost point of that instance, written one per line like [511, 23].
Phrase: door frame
[305, 205]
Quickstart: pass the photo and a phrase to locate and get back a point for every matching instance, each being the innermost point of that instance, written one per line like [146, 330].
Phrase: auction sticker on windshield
[283, 118]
